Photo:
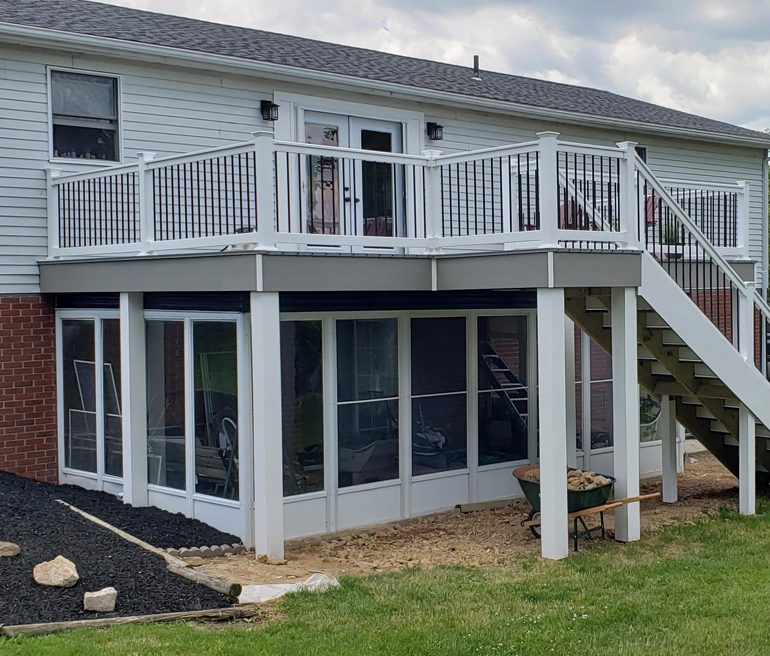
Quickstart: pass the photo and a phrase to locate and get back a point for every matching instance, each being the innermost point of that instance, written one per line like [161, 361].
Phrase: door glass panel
[439, 403]
[503, 389]
[78, 372]
[600, 389]
[215, 366]
[165, 403]
[113, 427]
[323, 182]
[377, 184]
[302, 407]
[367, 359]
[367, 396]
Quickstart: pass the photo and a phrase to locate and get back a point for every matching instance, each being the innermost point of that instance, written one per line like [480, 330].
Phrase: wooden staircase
[706, 405]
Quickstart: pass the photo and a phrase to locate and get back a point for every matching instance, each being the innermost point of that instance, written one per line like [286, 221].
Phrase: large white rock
[101, 601]
[59, 572]
[255, 594]
[8, 549]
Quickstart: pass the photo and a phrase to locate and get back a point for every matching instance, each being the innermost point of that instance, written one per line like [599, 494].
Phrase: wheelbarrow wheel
[535, 514]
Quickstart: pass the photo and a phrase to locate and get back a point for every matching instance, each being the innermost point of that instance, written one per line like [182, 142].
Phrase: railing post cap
[627, 145]
[261, 134]
[547, 134]
[146, 156]
[431, 152]
[53, 171]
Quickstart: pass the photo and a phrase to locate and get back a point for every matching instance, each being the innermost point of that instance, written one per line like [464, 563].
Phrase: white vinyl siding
[163, 110]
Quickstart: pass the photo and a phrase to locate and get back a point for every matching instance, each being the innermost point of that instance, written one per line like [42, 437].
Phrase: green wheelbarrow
[579, 504]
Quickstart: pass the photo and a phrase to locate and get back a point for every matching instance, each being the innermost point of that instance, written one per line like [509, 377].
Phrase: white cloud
[707, 57]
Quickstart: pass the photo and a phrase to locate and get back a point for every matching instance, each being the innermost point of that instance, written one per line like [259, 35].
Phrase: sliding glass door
[197, 381]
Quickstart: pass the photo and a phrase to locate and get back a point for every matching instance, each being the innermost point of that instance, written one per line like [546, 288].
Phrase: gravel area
[158, 527]
[30, 517]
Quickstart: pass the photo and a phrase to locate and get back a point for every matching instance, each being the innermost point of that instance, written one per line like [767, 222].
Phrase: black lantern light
[435, 131]
[269, 110]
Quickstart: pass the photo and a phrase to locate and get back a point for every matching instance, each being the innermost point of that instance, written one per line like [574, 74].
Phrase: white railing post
[629, 219]
[433, 200]
[146, 203]
[746, 322]
[742, 220]
[264, 183]
[52, 204]
[549, 189]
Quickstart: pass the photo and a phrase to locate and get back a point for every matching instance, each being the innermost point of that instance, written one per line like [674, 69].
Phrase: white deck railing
[281, 195]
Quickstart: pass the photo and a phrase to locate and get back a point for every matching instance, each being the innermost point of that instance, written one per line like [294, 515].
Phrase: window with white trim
[84, 116]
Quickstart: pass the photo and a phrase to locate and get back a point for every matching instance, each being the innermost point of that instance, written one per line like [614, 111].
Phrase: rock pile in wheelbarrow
[577, 479]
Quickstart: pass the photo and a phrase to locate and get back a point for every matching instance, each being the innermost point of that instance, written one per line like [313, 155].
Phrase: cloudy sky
[709, 57]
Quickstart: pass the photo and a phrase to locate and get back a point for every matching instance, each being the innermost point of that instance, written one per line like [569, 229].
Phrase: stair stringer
[704, 339]
[593, 324]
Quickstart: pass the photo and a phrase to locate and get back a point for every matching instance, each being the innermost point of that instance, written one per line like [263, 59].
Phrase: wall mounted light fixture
[269, 110]
[435, 131]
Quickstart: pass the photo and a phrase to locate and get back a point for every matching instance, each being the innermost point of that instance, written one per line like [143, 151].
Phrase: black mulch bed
[44, 529]
[158, 527]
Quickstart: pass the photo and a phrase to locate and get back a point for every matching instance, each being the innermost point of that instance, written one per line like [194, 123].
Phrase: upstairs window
[84, 116]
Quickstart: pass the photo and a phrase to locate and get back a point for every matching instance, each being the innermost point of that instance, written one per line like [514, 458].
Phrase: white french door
[378, 209]
[353, 197]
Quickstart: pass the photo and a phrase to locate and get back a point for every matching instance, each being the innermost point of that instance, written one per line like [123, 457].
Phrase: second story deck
[271, 195]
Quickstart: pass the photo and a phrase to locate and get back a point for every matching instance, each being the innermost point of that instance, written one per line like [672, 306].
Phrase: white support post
[267, 429]
[264, 176]
[629, 221]
[747, 468]
[746, 334]
[133, 401]
[52, 196]
[569, 378]
[625, 411]
[552, 413]
[433, 200]
[549, 189]
[743, 218]
[668, 429]
[146, 203]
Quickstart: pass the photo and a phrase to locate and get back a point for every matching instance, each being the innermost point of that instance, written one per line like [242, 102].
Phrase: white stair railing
[691, 259]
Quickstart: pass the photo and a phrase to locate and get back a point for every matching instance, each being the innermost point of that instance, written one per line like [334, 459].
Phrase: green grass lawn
[702, 588]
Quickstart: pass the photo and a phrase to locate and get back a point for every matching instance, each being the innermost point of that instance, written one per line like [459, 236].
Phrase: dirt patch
[454, 538]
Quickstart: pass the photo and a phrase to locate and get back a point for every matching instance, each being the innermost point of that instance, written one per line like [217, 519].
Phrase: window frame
[119, 114]
[69, 474]
[189, 493]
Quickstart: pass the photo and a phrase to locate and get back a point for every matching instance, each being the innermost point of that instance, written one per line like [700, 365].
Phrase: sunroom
[281, 414]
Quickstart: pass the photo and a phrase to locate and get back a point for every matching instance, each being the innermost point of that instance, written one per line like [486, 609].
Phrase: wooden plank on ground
[215, 614]
[232, 590]
[611, 505]
[175, 565]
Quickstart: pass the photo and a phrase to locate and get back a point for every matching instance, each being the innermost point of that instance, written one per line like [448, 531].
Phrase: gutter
[32, 36]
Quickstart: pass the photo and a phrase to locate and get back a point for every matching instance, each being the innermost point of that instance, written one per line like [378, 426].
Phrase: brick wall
[28, 387]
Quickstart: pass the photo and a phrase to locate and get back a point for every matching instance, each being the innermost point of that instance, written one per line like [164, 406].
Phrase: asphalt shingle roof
[131, 25]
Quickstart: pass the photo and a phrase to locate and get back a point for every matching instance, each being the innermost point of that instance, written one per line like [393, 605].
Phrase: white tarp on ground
[254, 594]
